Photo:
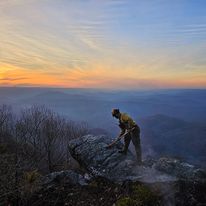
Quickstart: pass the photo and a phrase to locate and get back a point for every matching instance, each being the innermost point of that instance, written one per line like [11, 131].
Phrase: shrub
[31, 177]
[144, 196]
[126, 201]
[141, 196]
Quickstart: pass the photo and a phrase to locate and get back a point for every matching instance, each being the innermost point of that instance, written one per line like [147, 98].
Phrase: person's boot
[123, 152]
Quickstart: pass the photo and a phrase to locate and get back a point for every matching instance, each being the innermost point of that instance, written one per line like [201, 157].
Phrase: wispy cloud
[13, 79]
[102, 43]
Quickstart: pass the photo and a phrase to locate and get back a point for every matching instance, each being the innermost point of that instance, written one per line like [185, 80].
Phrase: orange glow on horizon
[94, 78]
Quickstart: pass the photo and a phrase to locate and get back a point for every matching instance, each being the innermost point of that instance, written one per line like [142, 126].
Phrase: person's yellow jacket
[127, 121]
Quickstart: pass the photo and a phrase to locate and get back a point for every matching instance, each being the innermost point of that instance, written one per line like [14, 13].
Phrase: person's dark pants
[134, 135]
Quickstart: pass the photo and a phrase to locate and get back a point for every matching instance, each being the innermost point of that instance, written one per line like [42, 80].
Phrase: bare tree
[5, 122]
[8, 156]
[28, 130]
[53, 136]
[44, 137]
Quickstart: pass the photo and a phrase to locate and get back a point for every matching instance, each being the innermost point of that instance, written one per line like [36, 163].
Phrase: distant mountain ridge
[175, 137]
[95, 105]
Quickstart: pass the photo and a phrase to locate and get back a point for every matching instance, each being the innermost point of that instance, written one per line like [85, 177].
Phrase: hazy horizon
[108, 89]
[172, 102]
[167, 117]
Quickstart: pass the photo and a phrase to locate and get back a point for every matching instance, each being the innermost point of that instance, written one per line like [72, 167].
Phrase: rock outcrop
[67, 176]
[110, 178]
[181, 170]
[179, 183]
[91, 153]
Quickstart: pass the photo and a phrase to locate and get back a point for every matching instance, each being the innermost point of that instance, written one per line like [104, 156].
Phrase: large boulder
[91, 153]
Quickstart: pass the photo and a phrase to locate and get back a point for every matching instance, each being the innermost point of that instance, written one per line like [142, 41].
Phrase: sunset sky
[117, 44]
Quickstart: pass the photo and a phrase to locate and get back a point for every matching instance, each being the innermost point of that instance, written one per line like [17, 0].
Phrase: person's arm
[115, 141]
[119, 138]
[123, 130]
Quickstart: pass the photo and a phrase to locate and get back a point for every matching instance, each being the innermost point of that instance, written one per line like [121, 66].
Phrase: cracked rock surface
[91, 152]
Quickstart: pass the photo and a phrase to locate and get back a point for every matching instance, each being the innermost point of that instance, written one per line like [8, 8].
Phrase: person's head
[116, 113]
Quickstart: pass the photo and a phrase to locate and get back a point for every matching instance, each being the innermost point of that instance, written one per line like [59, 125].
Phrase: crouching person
[130, 131]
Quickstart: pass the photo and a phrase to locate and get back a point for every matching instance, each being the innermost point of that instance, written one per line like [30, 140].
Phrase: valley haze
[172, 120]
